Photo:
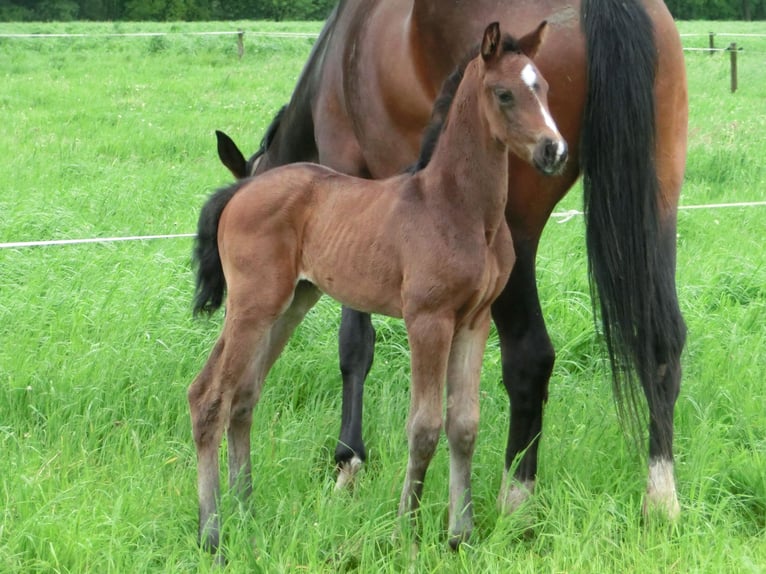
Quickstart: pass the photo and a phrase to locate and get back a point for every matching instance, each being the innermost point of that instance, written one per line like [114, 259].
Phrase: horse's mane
[269, 136]
[443, 103]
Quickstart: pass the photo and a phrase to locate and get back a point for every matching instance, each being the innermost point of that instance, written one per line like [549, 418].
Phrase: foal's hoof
[458, 538]
[347, 472]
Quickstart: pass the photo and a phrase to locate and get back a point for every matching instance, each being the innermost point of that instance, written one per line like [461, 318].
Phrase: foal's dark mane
[443, 103]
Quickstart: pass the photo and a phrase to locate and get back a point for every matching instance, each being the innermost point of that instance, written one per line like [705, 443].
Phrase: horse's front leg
[463, 376]
[429, 337]
[356, 344]
[527, 360]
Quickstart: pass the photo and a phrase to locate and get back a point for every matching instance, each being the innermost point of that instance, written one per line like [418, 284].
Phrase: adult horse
[441, 252]
[618, 94]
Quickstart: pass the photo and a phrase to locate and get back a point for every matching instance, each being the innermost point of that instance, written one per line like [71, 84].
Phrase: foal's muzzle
[550, 156]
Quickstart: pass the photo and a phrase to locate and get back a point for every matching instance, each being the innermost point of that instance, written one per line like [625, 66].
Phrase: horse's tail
[210, 283]
[630, 264]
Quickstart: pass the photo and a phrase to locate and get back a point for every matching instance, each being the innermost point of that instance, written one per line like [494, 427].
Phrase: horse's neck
[469, 165]
[441, 33]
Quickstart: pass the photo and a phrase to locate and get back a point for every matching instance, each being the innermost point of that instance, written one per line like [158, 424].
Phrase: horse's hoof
[663, 506]
[347, 472]
[513, 494]
[661, 500]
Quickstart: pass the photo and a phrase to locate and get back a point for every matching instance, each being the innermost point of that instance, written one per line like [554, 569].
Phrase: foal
[431, 246]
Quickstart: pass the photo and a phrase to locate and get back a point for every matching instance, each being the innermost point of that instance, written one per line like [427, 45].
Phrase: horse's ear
[531, 43]
[230, 156]
[491, 41]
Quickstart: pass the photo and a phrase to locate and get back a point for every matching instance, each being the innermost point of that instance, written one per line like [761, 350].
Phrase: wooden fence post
[240, 43]
[711, 43]
[733, 56]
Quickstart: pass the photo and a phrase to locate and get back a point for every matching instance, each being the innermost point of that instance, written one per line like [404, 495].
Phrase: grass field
[103, 137]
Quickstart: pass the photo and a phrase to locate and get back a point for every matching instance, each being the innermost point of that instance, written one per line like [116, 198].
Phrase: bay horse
[431, 246]
[618, 94]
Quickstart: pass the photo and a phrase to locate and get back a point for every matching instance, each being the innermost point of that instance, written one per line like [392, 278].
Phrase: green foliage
[163, 10]
[717, 9]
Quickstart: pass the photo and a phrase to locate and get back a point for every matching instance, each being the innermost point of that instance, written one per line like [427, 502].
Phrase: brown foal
[431, 246]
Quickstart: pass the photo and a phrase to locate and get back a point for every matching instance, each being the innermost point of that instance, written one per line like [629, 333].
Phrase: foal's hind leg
[210, 398]
[463, 377]
[240, 473]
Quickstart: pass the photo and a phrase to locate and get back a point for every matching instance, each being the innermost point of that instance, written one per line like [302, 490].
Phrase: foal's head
[515, 96]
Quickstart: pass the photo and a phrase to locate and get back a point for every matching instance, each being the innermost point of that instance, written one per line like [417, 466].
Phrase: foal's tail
[211, 283]
[631, 258]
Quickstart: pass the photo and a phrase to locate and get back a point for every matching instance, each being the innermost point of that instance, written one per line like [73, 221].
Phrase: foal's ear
[491, 41]
[230, 156]
[530, 43]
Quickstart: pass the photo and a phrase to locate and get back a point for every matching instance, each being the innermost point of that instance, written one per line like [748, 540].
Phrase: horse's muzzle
[550, 156]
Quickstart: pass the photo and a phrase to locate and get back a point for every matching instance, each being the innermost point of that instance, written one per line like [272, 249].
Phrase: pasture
[112, 137]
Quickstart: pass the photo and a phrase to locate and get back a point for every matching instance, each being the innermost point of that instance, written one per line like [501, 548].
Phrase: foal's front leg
[429, 337]
[463, 378]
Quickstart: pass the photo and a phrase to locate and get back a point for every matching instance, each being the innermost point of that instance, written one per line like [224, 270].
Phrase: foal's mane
[443, 103]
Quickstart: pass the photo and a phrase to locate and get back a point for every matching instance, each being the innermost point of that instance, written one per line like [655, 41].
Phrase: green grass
[114, 136]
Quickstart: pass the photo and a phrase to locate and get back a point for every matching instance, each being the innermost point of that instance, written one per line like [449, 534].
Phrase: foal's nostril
[553, 152]
[551, 156]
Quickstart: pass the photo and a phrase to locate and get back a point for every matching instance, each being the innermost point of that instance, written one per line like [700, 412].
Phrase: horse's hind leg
[244, 401]
[356, 342]
[663, 387]
[463, 375]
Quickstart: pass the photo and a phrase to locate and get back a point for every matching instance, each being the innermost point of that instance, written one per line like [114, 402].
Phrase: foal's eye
[505, 97]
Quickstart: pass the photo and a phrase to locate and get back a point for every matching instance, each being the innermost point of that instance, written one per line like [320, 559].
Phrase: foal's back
[343, 234]
[357, 240]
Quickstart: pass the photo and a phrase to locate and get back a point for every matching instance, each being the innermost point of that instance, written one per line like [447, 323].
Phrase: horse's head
[232, 158]
[515, 96]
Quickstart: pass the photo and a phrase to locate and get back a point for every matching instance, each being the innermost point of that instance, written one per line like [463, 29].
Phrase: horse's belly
[362, 293]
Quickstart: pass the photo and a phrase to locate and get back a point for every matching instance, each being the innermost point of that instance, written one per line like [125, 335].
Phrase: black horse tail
[210, 283]
[631, 259]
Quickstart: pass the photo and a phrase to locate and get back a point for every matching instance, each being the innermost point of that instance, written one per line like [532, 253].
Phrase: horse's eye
[505, 97]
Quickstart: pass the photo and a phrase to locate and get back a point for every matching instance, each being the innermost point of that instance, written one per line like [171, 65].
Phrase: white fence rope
[561, 216]
[727, 34]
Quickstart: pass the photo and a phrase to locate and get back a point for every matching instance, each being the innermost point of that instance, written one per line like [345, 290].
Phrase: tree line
[190, 10]
[163, 10]
[717, 9]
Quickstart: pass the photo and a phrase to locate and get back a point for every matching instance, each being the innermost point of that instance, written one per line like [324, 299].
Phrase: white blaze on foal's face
[529, 77]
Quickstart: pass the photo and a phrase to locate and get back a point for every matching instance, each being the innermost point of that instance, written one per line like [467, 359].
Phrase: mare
[430, 246]
[618, 94]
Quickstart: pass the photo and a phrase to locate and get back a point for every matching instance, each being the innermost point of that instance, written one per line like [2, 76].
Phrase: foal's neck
[469, 166]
